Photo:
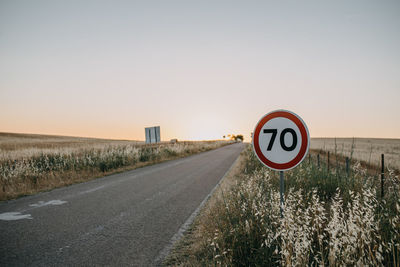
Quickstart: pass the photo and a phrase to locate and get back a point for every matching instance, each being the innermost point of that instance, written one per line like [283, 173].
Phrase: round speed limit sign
[281, 140]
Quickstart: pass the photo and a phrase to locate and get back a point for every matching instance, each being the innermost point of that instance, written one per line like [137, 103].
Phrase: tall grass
[330, 218]
[30, 172]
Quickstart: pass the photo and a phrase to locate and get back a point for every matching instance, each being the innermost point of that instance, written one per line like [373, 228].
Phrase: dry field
[368, 150]
[32, 163]
[14, 146]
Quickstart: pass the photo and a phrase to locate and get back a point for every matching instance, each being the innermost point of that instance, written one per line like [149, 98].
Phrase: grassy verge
[28, 173]
[330, 218]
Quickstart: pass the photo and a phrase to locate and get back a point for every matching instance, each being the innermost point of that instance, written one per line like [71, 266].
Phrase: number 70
[285, 131]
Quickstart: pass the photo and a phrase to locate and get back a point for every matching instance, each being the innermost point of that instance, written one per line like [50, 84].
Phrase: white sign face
[281, 140]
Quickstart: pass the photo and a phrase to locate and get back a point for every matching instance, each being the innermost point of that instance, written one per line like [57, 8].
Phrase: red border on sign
[304, 140]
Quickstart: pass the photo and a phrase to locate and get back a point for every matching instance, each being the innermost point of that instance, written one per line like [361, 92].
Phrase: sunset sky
[199, 69]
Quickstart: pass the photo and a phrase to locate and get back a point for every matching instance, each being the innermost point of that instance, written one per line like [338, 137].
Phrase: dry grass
[33, 163]
[14, 146]
[368, 150]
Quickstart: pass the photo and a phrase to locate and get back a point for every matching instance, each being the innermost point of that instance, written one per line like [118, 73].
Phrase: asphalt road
[126, 219]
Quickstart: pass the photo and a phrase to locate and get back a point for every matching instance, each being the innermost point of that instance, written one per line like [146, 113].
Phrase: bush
[145, 154]
[169, 152]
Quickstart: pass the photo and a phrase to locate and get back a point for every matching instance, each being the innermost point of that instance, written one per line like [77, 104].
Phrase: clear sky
[199, 69]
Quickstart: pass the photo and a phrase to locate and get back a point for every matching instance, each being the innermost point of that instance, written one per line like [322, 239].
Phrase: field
[14, 146]
[331, 217]
[368, 150]
[32, 163]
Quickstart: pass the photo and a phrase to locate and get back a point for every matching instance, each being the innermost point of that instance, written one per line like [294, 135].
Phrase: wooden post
[328, 161]
[382, 174]
[318, 161]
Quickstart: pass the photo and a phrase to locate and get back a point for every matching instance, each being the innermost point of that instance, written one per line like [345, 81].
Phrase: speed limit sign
[281, 140]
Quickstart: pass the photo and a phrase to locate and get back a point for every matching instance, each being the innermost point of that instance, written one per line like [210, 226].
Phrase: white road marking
[13, 216]
[51, 202]
[92, 190]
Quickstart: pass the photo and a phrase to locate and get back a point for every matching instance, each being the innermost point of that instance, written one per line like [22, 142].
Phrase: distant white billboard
[152, 134]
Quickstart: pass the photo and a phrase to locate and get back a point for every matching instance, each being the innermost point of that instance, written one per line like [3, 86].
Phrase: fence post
[318, 161]
[328, 161]
[347, 166]
[382, 174]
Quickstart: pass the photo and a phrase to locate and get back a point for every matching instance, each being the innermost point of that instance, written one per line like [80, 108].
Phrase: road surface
[126, 219]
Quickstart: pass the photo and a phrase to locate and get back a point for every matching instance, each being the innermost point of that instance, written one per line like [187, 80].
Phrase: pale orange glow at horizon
[199, 70]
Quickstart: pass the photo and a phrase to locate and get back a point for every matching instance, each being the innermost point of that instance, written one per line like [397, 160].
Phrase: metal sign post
[282, 189]
[281, 142]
